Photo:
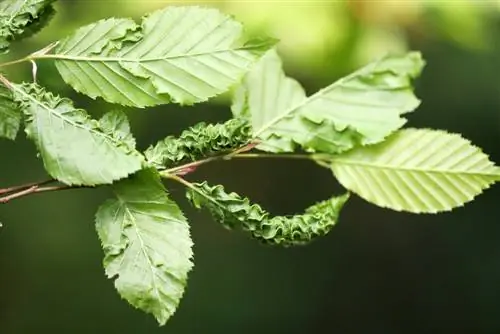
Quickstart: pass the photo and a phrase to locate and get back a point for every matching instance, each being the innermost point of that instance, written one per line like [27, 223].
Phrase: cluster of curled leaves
[187, 55]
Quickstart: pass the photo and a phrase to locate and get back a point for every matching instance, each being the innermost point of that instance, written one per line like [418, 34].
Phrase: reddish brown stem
[33, 190]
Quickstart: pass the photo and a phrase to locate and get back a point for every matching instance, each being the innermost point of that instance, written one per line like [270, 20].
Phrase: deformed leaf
[198, 142]
[115, 123]
[233, 211]
[75, 149]
[362, 108]
[10, 115]
[179, 54]
[146, 243]
[416, 170]
[22, 18]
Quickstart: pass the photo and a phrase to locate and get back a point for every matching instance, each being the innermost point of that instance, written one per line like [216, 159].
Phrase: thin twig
[24, 186]
[18, 194]
[34, 190]
[188, 167]
[273, 156]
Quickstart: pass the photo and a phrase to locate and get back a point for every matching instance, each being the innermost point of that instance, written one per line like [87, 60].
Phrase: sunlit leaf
[180, 54]
[416, 170]
[362, 108]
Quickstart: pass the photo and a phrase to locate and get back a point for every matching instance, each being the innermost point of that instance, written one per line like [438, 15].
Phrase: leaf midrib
[143, 248]
[62, 56]
[68, 120]
[314, 96]
[414, 169]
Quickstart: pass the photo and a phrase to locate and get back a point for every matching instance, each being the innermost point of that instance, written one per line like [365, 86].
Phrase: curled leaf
[233, 211]
[22, 18]
[199, 141]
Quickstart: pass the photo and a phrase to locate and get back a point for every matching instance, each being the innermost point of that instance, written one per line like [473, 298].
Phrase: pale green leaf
[10, 115]
[75, 149]
[22, 18]
[233, 211]
[180, 54]
[146, 243]
[362, 108]
[416, 170]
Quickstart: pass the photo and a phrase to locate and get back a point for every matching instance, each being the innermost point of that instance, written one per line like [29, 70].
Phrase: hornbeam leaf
[198, 142]
[180, 54]
[22, 18]
[115, 123]
[146, 242]
[10, 115]
[75, 149]
[233, 211]
[362, 108]
[416, 170]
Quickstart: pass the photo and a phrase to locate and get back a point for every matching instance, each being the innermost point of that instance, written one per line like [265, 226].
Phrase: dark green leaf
[10, 115]
[198, 142]
[234, 211]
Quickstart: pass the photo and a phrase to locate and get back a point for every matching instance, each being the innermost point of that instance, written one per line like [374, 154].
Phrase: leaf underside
[179, 54]
[75, 149]
[416, 170]
[362, 108]
[146, 243]
[233, 211]
[22, 18]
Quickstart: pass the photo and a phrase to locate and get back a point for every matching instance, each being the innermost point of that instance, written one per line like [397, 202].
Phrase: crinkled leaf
[198, 142]
[362, 108]
[180, 54]
[22, 18]
[10, 115]
[115, 123]
[75, 149]
[416, 170]
[146, 243]
[234, 211]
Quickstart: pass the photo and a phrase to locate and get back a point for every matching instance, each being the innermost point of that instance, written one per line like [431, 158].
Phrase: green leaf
[75, 149]
[115, 123]
[180, 54]
[22, 18]
[416, 170]
[233, 211]
[10, 115]
[199, 142]
[146, 243]
[362, 108]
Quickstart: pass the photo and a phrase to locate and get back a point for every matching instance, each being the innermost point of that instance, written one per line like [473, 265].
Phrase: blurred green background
[377, 272]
